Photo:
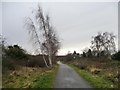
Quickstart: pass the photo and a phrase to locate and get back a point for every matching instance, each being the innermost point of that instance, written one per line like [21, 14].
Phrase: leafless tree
[97, 44]
[43, 34]
[104, 42]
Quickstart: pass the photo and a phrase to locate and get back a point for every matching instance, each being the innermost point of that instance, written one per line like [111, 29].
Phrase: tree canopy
[103, 43]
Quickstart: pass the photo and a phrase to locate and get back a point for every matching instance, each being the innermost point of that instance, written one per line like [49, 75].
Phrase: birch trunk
[45, 62]
[50, 61]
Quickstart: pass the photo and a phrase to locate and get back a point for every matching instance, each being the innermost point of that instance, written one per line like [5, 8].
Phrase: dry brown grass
[107, 69]
[27, 77]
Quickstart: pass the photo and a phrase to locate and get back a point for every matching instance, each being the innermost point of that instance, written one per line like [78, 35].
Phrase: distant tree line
[102, 46]
[72, 56]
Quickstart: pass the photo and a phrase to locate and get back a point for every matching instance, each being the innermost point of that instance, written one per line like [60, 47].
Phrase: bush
[82, 67]
[35, 61]
[15, 51]
[7, 64]
[116, 56]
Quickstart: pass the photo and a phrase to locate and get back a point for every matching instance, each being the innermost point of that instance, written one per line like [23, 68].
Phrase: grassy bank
[30, 78]
[94, 80]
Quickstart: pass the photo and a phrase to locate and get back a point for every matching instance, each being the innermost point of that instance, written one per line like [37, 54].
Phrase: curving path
[67, 78]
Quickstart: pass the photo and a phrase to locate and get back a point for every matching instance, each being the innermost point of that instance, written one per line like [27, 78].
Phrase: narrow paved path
[68, 78]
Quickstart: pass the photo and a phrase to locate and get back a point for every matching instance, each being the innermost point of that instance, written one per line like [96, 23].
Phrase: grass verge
[94, 80]
[46, 80]
[30, 78]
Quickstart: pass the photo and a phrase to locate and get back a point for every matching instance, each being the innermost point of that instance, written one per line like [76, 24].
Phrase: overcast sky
[75, 22]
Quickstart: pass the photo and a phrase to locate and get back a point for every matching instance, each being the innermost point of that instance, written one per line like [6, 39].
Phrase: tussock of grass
[94, 80]
[30, 78]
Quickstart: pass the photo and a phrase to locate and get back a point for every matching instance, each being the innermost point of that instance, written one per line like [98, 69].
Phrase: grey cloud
[75, 22]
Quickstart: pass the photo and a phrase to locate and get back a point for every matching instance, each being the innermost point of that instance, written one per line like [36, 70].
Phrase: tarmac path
[67, 77]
